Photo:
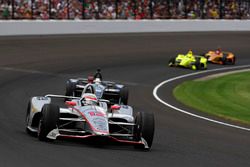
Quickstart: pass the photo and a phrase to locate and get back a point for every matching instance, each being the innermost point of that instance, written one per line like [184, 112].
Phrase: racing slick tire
[224, 60]
[144, 128]
[171, 62]
[198, 64]
[70, 88]
[27, 118]
[49, 120]
[124, 95]
[231, 62]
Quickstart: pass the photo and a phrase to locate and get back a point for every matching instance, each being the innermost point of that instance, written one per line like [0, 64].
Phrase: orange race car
[220, 57]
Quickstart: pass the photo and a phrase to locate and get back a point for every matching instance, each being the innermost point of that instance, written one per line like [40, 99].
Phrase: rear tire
[144, 128]
[198, 63]
[171, 62]
[49, 121]
[232, 62]
[124, 95]
[224, 60]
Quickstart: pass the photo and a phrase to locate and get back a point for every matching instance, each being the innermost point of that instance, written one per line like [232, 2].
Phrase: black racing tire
[144, 128]
[232, 62]
[171, 62]
[27, 117]
[224, 60]
[49, 121]
[124, 95]
[202, 66]
[198, 63]
[70, 89]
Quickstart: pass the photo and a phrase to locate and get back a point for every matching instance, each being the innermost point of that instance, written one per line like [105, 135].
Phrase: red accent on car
[115, 107]
[70, 103]
[91, 98]
[93, 113]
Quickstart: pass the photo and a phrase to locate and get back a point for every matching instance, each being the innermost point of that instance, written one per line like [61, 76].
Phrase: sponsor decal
[100, 124]
[96, 113]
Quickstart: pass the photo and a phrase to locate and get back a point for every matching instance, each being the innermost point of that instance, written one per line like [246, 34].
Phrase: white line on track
[191, 114]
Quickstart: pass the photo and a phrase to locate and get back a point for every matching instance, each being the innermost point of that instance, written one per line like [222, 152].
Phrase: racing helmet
[97, 80]
[89, 99]
[90, 79]
[190, 52]
[218, 51]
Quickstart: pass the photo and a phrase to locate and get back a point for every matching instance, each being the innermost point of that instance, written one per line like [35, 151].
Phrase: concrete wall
[39, 27]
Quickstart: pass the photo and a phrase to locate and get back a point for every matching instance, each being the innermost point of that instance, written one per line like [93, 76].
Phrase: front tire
[27, 117]
[171, 62]
[144, 128]
[49, 121]
[70, 89]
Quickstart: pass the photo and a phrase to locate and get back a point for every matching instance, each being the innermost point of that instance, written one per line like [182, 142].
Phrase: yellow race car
[189, 60]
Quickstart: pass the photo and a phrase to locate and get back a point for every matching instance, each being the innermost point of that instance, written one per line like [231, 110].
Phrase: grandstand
[124, 9]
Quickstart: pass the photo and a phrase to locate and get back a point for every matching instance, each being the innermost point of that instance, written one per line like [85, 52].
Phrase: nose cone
[102, 133]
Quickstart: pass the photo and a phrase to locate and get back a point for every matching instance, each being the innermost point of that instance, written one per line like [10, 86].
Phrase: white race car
[89, 117]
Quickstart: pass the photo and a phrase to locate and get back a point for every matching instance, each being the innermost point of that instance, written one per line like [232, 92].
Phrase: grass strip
[227, 96]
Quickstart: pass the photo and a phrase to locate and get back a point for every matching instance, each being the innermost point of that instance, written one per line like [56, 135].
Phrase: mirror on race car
[115, 107]
[70, 103]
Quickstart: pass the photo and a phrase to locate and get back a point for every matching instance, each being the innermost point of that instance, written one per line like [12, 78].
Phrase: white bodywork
[97, 116]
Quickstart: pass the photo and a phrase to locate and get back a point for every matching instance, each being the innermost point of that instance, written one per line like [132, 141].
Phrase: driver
[190, 54]
[98, 74]
[218, 51]
[89, 99]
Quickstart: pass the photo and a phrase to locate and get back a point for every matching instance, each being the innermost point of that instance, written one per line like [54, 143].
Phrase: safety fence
[124, 9]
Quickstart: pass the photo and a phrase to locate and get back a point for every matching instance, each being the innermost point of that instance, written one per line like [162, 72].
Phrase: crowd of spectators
[124, 9]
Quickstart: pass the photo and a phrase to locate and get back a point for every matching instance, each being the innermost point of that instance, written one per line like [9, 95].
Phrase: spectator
[5, 9]
[125, 9]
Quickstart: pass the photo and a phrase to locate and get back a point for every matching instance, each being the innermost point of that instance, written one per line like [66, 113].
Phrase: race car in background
[220, 57]
[115, 93]
[189, 60]
[88, 117]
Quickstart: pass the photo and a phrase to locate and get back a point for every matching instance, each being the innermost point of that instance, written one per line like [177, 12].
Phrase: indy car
[189, 60]
[220, 57]
[115, 93]
[88, 117]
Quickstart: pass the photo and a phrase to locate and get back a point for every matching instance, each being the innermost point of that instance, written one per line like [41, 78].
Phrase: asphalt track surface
[39, 65]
